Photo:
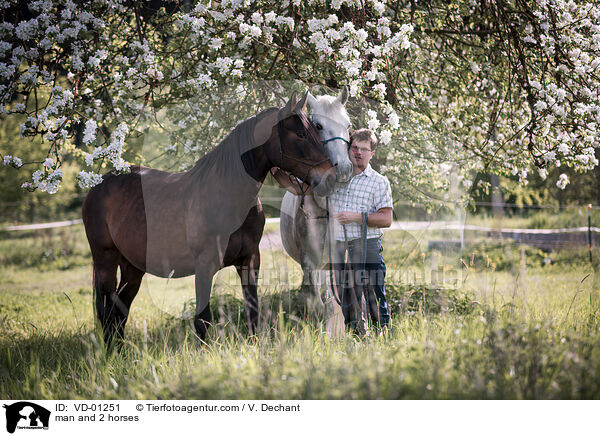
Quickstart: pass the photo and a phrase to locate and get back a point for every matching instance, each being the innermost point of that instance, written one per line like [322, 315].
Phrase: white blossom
[89, 134]
[88, 180]
[393, 120]
[372, 123]
[385, 136]
[564, 148]
[563, 181]
[550, 156]
[543, 173]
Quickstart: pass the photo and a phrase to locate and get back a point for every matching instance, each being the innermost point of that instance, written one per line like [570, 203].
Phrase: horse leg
[131, 279]
[105, 283]
[311, 286]
[204, 274]
[247, 268]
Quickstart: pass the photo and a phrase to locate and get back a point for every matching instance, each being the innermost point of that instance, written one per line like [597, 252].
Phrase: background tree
[450, 87]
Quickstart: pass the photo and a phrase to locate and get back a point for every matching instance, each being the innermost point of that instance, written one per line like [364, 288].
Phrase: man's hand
[381, 218]
[348, 217]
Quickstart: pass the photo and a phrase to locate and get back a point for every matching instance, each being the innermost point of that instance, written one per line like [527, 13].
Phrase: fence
[548, 227]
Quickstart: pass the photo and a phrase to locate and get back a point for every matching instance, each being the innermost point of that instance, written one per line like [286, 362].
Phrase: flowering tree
[458, 86]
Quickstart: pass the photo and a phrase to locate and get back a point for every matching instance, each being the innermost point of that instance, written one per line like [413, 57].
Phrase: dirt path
[271, 241]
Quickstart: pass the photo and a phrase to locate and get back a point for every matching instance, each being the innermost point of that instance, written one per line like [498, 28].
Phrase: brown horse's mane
[237, 141]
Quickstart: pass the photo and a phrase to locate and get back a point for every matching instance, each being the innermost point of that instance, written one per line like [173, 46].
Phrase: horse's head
[300, 149]
[329, 116]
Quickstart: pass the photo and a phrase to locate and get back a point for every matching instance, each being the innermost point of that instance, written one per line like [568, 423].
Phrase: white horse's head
[329, 116]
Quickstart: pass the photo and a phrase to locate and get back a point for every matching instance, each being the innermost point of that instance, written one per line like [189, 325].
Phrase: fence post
[589, 208]
[461, 227]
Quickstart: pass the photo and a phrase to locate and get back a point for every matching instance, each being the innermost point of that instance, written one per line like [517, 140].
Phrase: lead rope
[348, 263]
[334, 289]
[357, 299]
[363, 233]
[302, 190]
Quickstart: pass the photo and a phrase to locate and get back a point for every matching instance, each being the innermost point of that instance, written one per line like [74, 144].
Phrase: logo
[26, 415]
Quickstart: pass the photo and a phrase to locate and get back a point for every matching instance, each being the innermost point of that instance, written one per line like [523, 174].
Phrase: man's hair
[364, 135]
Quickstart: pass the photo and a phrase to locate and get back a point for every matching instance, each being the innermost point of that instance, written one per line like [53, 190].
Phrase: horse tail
[96, 294]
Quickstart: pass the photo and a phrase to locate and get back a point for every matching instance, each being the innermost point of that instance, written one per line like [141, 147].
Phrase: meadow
[493, 322]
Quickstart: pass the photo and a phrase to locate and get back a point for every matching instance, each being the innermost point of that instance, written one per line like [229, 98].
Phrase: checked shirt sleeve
[383, 194]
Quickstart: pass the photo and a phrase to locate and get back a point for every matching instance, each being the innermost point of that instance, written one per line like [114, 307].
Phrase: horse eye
[301, 133]
[319, 126]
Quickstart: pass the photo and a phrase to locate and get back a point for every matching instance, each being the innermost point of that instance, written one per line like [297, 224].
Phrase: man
[367, 193]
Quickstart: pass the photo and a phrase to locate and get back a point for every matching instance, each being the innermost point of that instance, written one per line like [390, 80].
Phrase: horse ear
[311, 100]
[286, 111]
[343, 97]
[301, 105]
[292, 101]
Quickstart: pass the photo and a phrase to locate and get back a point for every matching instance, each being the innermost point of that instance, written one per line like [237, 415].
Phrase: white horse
[303, 223]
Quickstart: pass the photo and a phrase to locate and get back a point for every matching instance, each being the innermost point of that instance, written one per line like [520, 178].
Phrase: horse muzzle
[343, 172]
[323, 183]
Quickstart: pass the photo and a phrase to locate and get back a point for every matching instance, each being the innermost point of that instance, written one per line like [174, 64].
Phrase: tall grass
[492, 355]
[517, 333]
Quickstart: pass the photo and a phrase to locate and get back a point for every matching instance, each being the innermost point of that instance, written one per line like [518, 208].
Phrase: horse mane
[241, 139]
[238, 141]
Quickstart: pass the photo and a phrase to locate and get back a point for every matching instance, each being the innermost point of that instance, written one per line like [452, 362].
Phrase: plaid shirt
[368, 192]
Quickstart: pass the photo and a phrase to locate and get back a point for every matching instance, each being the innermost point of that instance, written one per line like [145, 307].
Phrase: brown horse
[198, 221]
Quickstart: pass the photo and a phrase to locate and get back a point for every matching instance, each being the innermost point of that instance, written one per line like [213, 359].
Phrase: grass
[535, 219]
[461, 330]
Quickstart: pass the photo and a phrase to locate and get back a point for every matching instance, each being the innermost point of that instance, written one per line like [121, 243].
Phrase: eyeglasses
[354, 148]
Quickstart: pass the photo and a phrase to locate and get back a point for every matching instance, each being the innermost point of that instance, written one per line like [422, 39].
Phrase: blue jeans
[353, 280]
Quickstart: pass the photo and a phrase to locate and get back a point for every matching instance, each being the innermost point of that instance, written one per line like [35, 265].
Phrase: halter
[331, 139]
[334, 138]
